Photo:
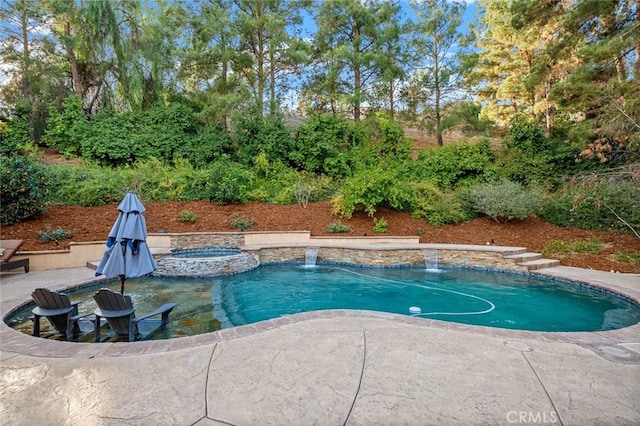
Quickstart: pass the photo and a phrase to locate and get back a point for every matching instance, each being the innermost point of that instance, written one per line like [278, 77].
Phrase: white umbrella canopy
[127, 254]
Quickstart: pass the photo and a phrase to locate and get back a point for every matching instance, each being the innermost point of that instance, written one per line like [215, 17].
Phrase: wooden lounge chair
[61, 313]
[7, 249]
[119, 312]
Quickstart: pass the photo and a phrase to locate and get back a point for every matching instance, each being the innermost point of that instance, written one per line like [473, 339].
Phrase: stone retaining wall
[206, 266]
[206, 239]
[388, 257]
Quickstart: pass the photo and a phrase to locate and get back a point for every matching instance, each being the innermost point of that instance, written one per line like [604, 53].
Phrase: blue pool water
[467, 296]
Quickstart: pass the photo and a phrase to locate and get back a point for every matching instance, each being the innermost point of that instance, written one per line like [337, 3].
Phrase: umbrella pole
[122, 279]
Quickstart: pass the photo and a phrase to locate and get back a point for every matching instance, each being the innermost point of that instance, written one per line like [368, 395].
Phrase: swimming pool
[494, 299]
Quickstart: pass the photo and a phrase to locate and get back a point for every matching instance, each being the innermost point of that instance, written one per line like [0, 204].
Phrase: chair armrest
[51, 312]
[77, 317]
[112, 314]
[164, 309]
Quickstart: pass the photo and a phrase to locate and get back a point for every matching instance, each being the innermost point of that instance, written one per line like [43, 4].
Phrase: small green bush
[593, 246]
[627, 257]
[455, 166]
[369, 189]
[187, 216]
[437, 208]
[337, 227]
[23, 189]
[228, 182]
[241, 223]
[380, 226]
[48, 234]
[505, 200]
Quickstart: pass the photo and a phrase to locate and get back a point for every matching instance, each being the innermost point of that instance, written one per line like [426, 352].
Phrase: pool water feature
[311, 256]
[430, 260]
[494, 299]
[209, 261]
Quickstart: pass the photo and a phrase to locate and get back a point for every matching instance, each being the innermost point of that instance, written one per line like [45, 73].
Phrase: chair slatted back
[112, 301]
[47, 299]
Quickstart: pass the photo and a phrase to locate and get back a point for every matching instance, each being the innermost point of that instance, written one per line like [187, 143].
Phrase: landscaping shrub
[272, 181]
[370, 189]
[453, 166]
[337, 227]
[228, 182]
[23, 189]
[210, 143]
[386, 135]
[109, 139]
[594, 204]
[322, 144]
[531, 158]
[380, 226]
[505, 200]
[593, 246]
[526, 136]
[67, 128]
[256, 134]
[87, 185]
[16, 133]
[437, 208]
[187, 216]
[48, 234]
[526, 169]
[164, 132]
[626, 257]
[241, 223]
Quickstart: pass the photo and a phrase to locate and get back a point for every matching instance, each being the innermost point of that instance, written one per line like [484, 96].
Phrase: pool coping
[16, 342]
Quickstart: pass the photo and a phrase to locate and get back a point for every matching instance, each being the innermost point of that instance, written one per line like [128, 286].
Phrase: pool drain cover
[518, 346]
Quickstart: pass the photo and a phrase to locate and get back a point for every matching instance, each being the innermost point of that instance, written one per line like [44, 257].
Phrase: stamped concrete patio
[329, 368]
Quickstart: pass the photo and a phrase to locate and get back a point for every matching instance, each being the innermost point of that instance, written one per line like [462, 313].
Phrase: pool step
[524, 257]
[532, 265]
[532, 261]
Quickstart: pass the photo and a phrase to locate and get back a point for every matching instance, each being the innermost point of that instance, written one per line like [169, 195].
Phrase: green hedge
[23, 189]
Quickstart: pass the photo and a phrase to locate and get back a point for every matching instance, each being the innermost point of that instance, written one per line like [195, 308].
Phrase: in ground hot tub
[206, 261]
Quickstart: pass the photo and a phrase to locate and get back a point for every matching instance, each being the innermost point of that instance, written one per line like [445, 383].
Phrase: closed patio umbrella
[127, 254]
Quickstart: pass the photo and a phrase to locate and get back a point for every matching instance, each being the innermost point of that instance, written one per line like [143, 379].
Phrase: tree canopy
[569, 65]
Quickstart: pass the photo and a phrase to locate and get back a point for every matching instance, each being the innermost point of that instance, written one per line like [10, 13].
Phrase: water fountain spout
[311, 255]
[430, 260]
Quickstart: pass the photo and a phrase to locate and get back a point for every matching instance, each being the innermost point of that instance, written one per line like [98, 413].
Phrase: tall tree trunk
[272, 82]
[548, 113]
[224, 120]
[438, 118]
[356, 105]
[636, 64]
[73, 63]
[357, 77]
[26, 71]
[25, 53]
[260, 59]
[391, 100]
[436, 81]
